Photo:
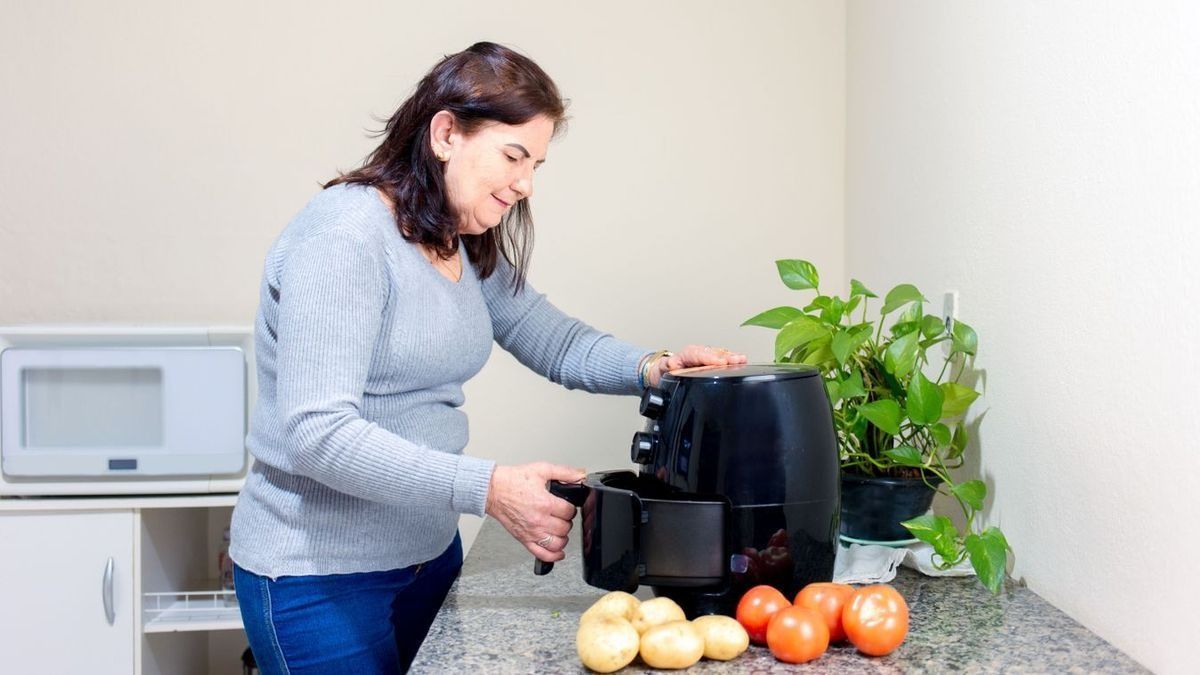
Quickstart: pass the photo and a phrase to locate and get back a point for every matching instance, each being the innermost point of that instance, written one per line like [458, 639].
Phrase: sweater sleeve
[561, 348]
[333, 289]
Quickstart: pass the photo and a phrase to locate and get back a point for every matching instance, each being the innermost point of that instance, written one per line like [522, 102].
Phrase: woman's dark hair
[485, 83]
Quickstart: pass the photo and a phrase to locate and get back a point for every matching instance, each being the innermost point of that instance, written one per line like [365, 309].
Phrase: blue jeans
[369, 622]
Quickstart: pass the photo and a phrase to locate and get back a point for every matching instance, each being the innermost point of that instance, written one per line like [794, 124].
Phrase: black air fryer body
[738, 486]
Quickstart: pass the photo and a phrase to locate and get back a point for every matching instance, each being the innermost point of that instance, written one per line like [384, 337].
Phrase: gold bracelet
[648, 363]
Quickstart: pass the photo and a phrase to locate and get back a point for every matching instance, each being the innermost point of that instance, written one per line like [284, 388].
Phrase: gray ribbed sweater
[362, 349]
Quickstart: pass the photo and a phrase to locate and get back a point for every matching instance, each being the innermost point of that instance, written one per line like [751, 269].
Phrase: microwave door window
[109, 407]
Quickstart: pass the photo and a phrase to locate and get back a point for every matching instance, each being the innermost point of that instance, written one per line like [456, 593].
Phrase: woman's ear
[442, 132]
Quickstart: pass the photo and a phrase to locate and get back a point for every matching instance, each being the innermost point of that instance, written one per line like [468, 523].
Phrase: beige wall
[1044, 160]
[151, 151]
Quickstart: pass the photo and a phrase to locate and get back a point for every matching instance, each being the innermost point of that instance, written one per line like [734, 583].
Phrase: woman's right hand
[518, 499]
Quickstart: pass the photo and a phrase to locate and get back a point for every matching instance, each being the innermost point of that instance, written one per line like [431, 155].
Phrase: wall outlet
[949, 314]
[949, 309]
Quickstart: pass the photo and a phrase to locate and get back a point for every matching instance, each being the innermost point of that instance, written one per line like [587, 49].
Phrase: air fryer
[737, 485]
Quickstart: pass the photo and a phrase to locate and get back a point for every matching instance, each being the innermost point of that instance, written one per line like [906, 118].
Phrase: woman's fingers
[545, 540]
[562, 509]
[704, 355]
[519, 501]
[692, 356]
[566, 474]
[556, 527]
[545, 554]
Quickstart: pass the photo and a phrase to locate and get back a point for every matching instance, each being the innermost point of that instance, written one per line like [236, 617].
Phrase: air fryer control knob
[654, 401]
[641, 451]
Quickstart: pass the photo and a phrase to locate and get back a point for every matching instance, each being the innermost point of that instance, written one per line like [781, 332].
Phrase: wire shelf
[173, 612]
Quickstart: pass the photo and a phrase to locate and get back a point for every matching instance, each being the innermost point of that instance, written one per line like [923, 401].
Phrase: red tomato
[828, 599]
[797, 634]
[755, 609]
[876, 619]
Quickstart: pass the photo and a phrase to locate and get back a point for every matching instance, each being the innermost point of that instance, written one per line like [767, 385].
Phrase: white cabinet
[68, 603]
[66, 564]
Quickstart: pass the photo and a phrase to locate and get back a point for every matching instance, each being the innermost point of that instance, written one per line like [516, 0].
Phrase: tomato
[797, 634]
[876, 619]
[755, 609]
[828, 599]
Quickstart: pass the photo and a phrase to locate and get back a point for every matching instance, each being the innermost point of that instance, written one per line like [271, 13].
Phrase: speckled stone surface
[501, 618]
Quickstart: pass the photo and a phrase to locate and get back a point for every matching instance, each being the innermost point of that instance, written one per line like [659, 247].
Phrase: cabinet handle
[106, 592]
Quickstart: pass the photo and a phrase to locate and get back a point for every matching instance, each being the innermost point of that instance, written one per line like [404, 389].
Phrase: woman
[379, 300]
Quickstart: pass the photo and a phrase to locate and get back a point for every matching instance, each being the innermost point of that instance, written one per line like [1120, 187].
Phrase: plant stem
[944, 474]
[963, 368]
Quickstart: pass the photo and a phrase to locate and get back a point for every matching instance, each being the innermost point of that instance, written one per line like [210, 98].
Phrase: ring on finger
[545, 541]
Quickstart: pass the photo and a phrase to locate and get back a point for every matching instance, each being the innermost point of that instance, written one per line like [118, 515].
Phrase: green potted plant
[900, 431]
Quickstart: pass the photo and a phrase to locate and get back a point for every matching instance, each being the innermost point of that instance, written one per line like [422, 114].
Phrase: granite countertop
[500, 618]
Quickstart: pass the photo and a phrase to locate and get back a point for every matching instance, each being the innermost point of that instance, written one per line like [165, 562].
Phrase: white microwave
[88, 410]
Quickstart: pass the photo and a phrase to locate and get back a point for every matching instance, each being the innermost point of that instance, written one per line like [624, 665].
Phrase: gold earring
[442, 156]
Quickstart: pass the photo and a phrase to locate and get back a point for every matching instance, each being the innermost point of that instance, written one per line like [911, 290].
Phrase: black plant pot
[874, 507]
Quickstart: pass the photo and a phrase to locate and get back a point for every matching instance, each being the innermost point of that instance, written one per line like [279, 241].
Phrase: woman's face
[489, 171]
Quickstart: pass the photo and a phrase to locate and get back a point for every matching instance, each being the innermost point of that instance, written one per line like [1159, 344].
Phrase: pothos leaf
[852, 386]
[798, 332]
[901, 355]
[965, 339]
[924, 400]
[941, 435]
[989, 557]
[938, 532]
[899, 296]
[956, 399]
[884, 414]
[905, 455]
[858, 289]
[773, 318]
[932, 326]
[832, 389]
[798, 275]
[834, 312]
[846, 341]
[819, 355]
[820, 302]
[972, 492]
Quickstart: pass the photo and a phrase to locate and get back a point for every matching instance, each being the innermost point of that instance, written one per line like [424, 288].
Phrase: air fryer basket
[635, 530]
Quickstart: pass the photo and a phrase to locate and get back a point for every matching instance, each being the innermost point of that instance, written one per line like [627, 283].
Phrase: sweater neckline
[405, 247]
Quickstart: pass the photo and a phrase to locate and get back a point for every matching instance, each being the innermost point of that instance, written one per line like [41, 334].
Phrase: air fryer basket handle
[576, 493]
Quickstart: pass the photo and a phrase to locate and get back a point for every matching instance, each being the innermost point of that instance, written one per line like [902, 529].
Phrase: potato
[724, 637]
[617, 603]
[606, 643]
[675, 644]
[654, 612]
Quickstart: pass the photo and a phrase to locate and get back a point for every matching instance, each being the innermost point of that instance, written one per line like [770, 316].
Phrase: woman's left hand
[692, 355]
